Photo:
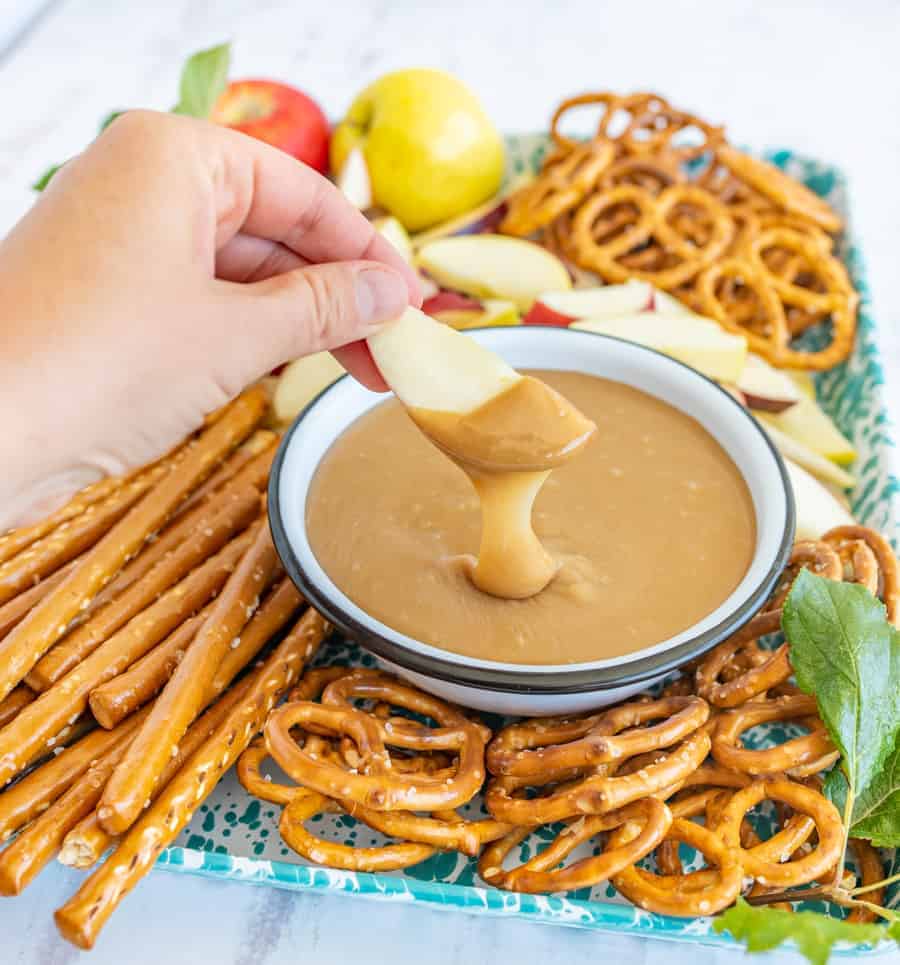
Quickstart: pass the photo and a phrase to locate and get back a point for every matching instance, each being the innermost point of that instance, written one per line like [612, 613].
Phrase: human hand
[163, 270]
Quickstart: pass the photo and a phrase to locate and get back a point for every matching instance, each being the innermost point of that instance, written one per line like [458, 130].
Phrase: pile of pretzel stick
[629, 779]
[135, 659]
[659, 194]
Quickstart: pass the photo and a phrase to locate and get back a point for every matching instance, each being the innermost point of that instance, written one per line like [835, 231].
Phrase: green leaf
[845, 652]
[876, 812]
[104, 124]
[45, 178]
[762, 929]
[202, 81]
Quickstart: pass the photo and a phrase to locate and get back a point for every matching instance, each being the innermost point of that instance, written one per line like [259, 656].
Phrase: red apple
[279, 115]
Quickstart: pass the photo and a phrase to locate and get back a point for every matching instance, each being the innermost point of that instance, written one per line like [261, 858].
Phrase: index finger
[264, 192]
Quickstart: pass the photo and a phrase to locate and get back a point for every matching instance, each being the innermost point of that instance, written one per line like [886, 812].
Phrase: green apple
[431, 151]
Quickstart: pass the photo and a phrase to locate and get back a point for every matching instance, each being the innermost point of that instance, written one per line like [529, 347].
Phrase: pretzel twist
[541, 872]
[799, 870]
[846, 539]
[537, 746]
[683, 895]
[792, 756]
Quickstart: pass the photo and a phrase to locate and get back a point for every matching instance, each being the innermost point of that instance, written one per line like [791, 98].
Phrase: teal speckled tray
[235, 836]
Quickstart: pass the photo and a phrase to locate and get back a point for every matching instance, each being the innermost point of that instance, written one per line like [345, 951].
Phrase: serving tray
[235, 836]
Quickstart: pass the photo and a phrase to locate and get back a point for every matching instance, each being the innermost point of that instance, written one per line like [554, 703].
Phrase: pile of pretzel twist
[659, 194]
[630, 778]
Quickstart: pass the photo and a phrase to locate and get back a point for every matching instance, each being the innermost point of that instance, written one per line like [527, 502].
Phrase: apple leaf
[814, 934]
[876, 811]
[202, 81]
[844, 651]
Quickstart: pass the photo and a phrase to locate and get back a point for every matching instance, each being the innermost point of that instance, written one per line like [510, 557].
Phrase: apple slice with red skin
[279, 115]
[449, 301]
[609, 301]
[766, 388]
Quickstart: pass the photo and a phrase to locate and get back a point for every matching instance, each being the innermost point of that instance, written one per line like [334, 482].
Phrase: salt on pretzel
[81, 918]
[683, 895]
[595, 793]
[542, 873]
[39, 724]
[791, 757]
[27, 642]
[887, 582]
[213, 528]
[799, 870]
[391, 857]
[139, 770]
[534, 747]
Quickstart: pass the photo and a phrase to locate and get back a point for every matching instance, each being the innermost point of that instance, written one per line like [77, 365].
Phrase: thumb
[311, 309]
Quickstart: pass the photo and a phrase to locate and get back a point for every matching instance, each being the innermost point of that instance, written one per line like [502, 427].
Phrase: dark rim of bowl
[530, 680]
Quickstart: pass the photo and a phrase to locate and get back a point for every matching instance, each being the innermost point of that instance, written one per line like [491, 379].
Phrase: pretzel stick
[223, 516]
[82, 917]
[47, 622]
[10, 706]
[254, 473]
[116, 699]
[84, 841]
[36, 845]
[260, 442]
[183, 696]
[26, 799]
[16, 609]
[71, 539]
[17, 540]
[38, 725]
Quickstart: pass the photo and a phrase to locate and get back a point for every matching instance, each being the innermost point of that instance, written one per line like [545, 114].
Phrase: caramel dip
[646, 531]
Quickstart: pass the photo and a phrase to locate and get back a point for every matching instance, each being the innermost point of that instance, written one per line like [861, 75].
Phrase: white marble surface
[818, 77]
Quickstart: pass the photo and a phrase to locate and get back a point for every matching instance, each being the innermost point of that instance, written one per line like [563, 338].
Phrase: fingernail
[381, 294]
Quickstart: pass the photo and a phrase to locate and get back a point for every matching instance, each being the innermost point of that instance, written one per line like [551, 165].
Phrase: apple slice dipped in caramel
[507, 431]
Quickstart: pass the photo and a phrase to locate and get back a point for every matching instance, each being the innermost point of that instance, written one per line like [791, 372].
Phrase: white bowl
[542, 689]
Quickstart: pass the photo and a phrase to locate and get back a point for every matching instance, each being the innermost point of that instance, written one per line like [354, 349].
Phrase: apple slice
[300, 382]
[445, 301]
[493, 266]
[354, 181]
[696, 341]
[667, 304]
[492, 313]
[390, 228]
[811, 427]
[483, 219]
[804, 382]
[431, 366]
[610, 301]
[817, 509]
[810, 460]
[765, 387]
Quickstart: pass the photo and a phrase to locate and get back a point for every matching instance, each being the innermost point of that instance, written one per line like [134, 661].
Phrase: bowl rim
[533, 678]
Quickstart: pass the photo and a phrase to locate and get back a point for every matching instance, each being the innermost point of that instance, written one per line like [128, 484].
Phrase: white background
[821, 78]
